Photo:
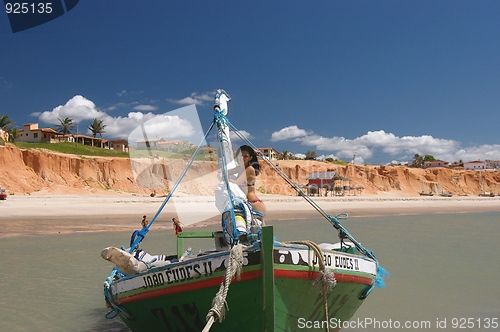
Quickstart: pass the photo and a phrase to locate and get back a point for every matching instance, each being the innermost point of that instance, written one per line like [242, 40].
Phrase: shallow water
[443, 267]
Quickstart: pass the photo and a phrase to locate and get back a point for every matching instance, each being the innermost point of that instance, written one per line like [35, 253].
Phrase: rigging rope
[334, 220]
[219, 304]
[142, 233]
[326, 278]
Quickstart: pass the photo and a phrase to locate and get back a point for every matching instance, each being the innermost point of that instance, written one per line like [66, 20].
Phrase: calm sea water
[444, 268]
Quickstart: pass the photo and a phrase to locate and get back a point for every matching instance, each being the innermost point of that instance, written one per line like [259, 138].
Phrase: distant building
[151, 143]
[483, 165]
[435, 163]
[327, 181]
[397, 163]
[475, 165]
[456, 165]
[493, 164]
[32, 134]
[119, 145]
[91, 141]
[322, 178]
[270, 153]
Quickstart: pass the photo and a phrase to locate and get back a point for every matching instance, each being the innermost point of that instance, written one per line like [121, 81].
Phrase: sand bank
[39, 214]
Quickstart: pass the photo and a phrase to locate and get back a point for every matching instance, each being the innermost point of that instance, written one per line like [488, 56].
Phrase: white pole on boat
[221, 106]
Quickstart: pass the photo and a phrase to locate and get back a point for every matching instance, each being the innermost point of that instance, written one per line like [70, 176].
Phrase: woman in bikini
[247, 182]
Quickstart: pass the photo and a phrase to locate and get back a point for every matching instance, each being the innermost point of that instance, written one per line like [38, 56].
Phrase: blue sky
[379, 79]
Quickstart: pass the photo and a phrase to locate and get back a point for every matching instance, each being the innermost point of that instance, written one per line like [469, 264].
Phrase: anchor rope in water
[326, 278]
[219, 304]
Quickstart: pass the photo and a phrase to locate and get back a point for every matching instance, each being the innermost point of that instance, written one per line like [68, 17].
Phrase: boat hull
[178, 297]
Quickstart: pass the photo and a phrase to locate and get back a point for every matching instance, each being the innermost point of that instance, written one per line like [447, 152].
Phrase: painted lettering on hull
[338, 262]
[332, 260]
[178, 274]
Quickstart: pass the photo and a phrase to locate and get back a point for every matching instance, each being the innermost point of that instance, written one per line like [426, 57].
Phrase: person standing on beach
[177, 225]
[144, 222]
[246, 180]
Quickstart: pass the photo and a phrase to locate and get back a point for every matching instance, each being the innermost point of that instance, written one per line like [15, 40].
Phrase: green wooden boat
[266, 285]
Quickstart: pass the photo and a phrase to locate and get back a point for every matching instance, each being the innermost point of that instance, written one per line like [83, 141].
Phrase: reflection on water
[442, 266]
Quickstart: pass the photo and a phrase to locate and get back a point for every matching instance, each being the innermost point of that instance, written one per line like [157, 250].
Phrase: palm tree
[5, 123]
[66, 126]
[311, 155]
[418, 161]
[97, 127]
[13, 134]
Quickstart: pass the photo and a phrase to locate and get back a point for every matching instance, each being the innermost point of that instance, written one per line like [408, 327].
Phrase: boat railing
[190, 235]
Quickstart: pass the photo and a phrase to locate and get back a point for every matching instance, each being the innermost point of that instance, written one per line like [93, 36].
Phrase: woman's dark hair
[253, 160]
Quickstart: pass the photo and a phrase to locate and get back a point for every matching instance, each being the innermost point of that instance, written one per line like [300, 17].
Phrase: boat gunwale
[249, 272]
[255, 248]
[215, 281]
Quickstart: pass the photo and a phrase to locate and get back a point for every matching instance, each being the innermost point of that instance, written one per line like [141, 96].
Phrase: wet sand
[52, 214]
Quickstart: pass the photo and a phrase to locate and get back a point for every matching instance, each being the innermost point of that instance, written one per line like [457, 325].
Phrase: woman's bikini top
[246, 184]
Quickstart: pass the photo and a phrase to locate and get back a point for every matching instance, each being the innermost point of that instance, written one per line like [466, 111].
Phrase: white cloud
[164, 126]
[245, 134]
[77, 108]
[207, 96]
[194, 99]
[323, 157]
[288, 133]
[145, 108]
[179, 124]
[379, 142]
[182, 123]
[120, 105]
[299, 155]
[482, 152]
[394, 145]
[186, 101]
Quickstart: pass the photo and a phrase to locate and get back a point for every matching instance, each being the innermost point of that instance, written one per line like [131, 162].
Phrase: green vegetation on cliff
[72, 148]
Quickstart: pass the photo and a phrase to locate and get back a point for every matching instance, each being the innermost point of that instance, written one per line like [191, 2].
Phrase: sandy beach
[50, 214]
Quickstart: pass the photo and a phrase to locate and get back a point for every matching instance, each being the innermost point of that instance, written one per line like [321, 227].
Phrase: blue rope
[107, 294]
[142, 233]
